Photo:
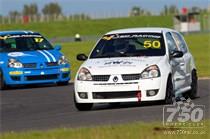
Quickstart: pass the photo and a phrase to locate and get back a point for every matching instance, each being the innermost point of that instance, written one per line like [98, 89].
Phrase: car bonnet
[120, 65]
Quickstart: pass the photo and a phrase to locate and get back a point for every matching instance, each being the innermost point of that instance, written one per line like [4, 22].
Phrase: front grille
[65, 75]
[101, 78]
[29, 65]
[51, 64]
[128, 77]
[114, 95]
[125, 83]
[41, 77]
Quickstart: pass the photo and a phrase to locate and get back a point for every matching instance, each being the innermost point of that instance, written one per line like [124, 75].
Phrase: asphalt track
[49, 106]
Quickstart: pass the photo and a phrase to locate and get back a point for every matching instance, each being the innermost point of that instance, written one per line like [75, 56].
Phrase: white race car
[134, 65]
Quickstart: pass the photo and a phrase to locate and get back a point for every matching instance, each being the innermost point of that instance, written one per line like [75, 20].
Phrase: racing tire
[83, 106]
[3, 85]
[169, 98]
[194, 85]
[62, 83]
[115, 104]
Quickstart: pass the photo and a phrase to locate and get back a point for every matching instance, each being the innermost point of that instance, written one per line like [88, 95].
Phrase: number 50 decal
[152, 44]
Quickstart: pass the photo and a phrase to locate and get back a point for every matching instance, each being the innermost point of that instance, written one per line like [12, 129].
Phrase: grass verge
[137, 130]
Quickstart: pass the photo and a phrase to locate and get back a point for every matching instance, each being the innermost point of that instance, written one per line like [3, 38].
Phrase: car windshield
[129, 45]
[20, 43]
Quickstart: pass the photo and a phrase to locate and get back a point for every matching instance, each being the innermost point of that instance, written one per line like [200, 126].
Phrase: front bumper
[121, 92]
[23, 76]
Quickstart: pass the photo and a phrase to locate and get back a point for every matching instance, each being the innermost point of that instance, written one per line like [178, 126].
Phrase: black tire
[3, 86]
[83, 106]
[62, 83]
[194, 85]
[169, 98]
[115, 104]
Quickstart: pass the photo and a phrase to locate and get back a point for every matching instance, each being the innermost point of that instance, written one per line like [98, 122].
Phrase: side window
[171, 43]
[180, 42]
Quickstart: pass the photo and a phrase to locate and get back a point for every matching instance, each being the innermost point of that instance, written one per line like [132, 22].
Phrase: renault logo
[115, 79]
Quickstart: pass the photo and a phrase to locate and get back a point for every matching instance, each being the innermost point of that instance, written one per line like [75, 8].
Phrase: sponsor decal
[108, 37]
[119, 36]
[18, 36]
[17, 54]
[148, 40]
[27, 72]
[119, 63]
[116, 62]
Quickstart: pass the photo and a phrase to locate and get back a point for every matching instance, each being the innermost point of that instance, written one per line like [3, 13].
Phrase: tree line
[50, 12]
[51, 9]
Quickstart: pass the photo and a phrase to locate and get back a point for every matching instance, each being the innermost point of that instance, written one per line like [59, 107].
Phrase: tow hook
[138, 95]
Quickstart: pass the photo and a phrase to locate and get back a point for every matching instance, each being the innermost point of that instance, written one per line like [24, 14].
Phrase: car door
[177, 64]
[186, 56]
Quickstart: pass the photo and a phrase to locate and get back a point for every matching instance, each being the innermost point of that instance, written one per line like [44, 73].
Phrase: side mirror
[57, 47]
[82, 57]
[176, 54]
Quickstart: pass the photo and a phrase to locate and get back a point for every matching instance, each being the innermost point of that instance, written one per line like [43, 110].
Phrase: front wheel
[169, 92]
[82, 106]
[62, 83]
[114, 104]
[3, 85]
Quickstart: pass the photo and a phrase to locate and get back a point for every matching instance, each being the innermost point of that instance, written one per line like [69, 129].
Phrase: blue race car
[27, 57]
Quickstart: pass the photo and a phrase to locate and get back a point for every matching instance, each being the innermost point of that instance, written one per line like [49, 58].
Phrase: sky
[99, 8]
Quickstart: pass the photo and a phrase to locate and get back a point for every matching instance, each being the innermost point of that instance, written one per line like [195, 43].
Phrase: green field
[136, 130]
[198, 43]
[91, 27]
[94, 26]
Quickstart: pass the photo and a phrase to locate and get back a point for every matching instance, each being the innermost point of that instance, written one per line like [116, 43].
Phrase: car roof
[139, 30]
[18, 32]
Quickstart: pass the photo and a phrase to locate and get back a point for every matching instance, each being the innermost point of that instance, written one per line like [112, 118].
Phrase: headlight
[84, 75]
[62, 60]
[13, 63]
[151, 72]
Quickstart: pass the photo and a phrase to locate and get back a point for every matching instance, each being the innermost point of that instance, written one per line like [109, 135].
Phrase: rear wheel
[82, 106]
[194, 85]
[3, 85]
[169, 92]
